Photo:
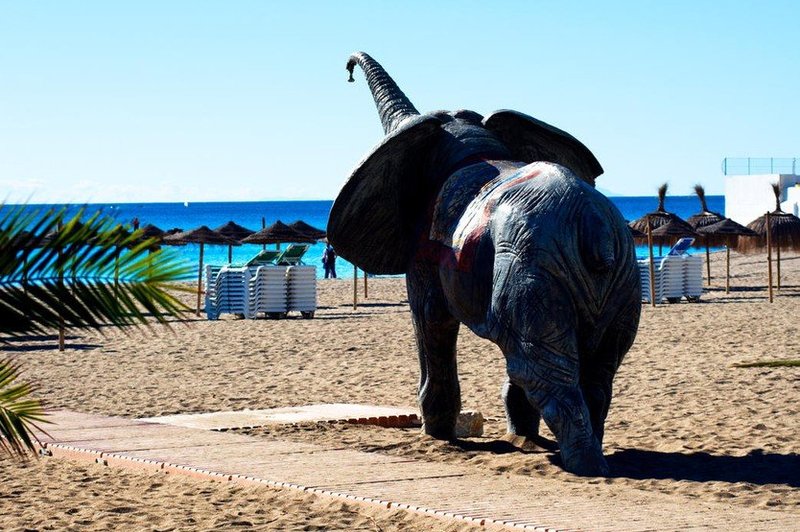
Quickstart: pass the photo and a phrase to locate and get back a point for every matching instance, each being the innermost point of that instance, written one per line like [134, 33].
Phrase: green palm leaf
[59, 271]
[18, 414]
[84, 275]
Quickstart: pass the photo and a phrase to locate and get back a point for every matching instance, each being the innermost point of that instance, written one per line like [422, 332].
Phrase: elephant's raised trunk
[393, 106]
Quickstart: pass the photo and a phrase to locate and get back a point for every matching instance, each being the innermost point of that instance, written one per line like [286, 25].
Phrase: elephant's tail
[393, 106]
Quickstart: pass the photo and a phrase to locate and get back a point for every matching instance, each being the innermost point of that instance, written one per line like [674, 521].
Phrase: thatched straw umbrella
[278, 233]
[171, 233]
[704, 218]
[151, 231]
[657, 218]
[234, 231]
[725, 233]
[52, 235]
[202, 235]
[783, 230]
[674, 229]
[636, 234]
[310, 230]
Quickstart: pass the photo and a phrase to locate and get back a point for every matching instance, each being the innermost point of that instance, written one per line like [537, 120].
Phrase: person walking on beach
[135, 223]
[329, 262]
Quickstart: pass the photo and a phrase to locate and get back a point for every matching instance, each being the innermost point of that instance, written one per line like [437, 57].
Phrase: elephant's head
[378, 215]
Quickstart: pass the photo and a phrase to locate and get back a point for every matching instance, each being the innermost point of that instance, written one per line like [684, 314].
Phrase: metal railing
[760, 165]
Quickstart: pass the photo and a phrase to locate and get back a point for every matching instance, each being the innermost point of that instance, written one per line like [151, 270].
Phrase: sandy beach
[684, 420]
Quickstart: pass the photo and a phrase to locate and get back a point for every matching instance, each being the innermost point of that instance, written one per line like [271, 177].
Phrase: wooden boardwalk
[444, 490]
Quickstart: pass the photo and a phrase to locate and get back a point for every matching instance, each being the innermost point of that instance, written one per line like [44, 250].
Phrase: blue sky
[237, 100]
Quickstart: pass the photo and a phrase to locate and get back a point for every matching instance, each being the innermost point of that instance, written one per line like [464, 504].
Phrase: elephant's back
[461, 194]
[564, 213]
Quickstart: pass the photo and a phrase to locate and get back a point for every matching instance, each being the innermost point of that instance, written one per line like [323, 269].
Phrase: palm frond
[662, 195]
[18, 415]
[776, 189]
[55, 269]
[701, 194]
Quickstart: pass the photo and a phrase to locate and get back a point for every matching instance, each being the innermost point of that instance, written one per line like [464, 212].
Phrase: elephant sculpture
[496, 224]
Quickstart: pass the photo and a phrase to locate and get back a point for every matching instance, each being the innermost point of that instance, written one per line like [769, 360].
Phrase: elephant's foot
[440, 427]
[531, 444]
[585, 462]
[567, 416]
[438, 432]
[440, 408]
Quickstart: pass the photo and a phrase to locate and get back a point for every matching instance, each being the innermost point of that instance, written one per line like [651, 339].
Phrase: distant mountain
[607, 192]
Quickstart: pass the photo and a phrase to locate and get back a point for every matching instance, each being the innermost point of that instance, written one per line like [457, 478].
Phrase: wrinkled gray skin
[550, 276]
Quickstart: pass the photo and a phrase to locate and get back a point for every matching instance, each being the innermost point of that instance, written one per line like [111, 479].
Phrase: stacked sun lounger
[269, 289]
[210, 278]
[302, 290]
[644, 277]
[677, 275]
[672, 272]
[692, 277]
[229, 294]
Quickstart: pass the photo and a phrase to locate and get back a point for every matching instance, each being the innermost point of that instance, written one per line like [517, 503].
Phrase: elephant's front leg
[436, 332]
[551, 383]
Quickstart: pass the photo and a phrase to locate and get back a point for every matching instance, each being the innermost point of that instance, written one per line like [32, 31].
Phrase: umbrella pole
[727, 269]
[61, 335]
[230, 254]
[769, 260]
[708, 262]
[355, 287]
[778, 263]
[651, 266]
[263, 226]
[199, 281]
[116, 275]
[25, 275]
[366, 290]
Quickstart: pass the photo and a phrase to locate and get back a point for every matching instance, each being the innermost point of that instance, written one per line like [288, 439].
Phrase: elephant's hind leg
[598, 370]
[550, 380]
[436, 332]
[522, 417]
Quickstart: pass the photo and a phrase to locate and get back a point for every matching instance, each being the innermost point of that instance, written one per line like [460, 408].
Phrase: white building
[748, 196]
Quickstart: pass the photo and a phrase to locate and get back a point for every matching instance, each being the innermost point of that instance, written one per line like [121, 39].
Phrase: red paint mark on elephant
[465, 255]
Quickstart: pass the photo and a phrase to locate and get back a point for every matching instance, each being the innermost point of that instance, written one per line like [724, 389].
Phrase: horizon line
[189, 202]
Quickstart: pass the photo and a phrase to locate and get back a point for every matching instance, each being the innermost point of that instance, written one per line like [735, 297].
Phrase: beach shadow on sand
[41, 342]
[535, 445]
[47, 347]
[367, 304]
[757, 467]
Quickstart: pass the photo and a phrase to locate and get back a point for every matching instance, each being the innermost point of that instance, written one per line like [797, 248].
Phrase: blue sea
[250, 214]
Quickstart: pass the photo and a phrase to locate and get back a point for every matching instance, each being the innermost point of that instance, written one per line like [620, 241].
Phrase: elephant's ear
[373, 220]
[532, 140]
